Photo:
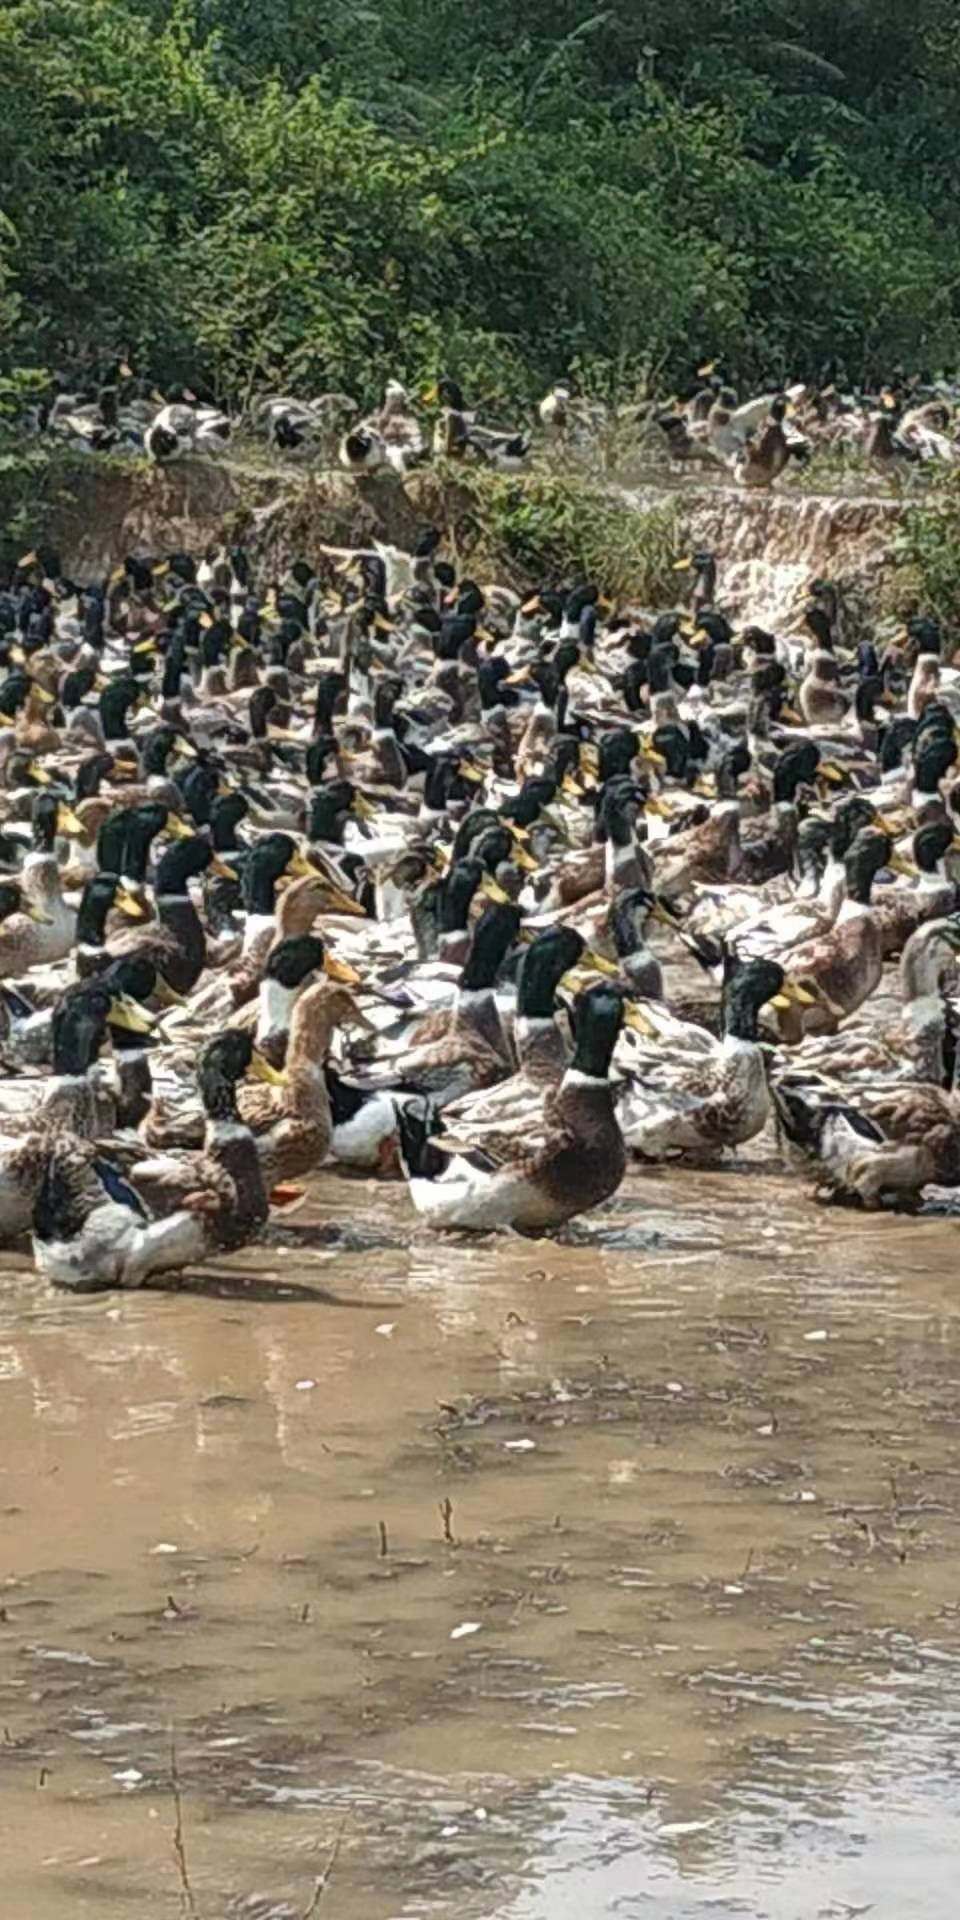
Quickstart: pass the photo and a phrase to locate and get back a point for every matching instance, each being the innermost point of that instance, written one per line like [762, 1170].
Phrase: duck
[176, 942]
[874, 1150]
[931, 896]
[43, 932]
[456, 1052]
[392, 437]
[913, 1043]
[769, 843]
[842, 967]
[767, 453]
[533, 1175]
[692, 1094]
[775, 929]
[67, 1105]
[541, 1049]
[709, 854]
[821, 697]
[293, 1124]
[91, 1227]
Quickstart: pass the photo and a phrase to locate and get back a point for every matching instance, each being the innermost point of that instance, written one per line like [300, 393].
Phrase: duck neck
[134, 1087]
[476, 1012]
[177, 913]
[833, 886]
[740, 1017]
[306, 1096]
[275, 1012]
[920, 967]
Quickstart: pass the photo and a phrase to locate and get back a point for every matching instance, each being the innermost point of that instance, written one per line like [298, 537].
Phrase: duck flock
[905, 426]
[375, 868]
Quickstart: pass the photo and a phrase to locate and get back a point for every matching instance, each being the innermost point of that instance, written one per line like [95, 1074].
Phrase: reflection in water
[616, 1577]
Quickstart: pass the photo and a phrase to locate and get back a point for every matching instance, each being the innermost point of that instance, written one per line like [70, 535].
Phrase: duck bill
[36, 913]
[223, 868]
[68, 822]
[664, 913]
[166, 995]
[827, 771]
[340, 970]
[793, 994]
[684, 564]
[39, 774]
[653, 758]
[338, 901]
[468, 771]
[635, 1018]
[363, 808]
[260, 1069]
[598, 963]
[521, 677]
[492, 890]
[300, 868]
[523, 860]
[177, 828]
[125, 1013]
[899, 864]
[183, 745]
[128, 904]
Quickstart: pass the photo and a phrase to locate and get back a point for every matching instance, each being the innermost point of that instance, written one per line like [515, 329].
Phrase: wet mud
[379, 1575]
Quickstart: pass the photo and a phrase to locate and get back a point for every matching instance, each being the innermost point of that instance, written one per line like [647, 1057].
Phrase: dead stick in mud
[188, 1904]
[384, 1539]
[324, 1878]
[446, 1515]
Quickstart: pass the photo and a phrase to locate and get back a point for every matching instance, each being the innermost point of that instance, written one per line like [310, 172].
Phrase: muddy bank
[769, 544]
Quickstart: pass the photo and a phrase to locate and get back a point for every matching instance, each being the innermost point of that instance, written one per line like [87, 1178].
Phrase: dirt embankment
[769, 544]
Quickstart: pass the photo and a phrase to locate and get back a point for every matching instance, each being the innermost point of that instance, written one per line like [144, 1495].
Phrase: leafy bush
[925, 577]
[320, 193]
[549, 526]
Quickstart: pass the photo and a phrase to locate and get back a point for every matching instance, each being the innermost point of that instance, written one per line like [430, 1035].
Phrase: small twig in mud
[446, 1515]
[748, 1563]
[188, 1904]
[384, 1540]
[324, 1878]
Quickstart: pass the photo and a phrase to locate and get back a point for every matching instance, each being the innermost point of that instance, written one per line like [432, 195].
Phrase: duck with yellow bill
[685, 1092]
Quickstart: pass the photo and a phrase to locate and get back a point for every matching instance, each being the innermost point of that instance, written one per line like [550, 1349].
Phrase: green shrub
[925, 576]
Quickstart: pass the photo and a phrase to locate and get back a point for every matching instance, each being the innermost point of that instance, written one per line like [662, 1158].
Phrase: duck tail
[800, 1116]
[60, 1208]
[417, 1121]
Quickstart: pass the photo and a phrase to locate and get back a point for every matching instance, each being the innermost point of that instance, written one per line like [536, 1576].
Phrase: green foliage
[925, 577]
[558, 526]
[321, 192]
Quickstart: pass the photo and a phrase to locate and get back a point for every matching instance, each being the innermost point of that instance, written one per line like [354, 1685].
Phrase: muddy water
[615, 1578]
